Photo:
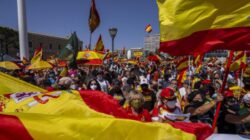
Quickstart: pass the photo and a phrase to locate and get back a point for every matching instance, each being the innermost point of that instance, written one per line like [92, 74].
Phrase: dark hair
[116, 82]
[194, 93]
[98, 85]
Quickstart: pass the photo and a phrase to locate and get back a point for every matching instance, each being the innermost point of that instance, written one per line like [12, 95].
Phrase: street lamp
[112, 32]
[1, 46]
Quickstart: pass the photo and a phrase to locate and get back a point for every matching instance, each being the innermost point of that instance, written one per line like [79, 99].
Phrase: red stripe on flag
[11, 128]
[208, 40]
[104, 103]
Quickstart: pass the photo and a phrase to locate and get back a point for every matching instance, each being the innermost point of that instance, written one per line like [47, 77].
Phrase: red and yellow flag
[90, 57]
[148, 28]
[191, 27]
[182, 64]
[240, 61]
[25, 61]
[83, 115]
[37, 55]
[94, 18]
[16, 85]
[198, 60]
[99, 45]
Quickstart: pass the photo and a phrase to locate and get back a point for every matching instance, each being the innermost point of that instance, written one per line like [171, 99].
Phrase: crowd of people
[153, 92]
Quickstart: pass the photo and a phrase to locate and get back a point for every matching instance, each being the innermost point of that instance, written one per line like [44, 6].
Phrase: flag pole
[90, 39]
[216, 115]
[242, 73]
[189, 70]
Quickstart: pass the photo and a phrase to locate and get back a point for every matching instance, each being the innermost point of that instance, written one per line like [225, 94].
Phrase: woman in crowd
[135, 107]
[93, 85]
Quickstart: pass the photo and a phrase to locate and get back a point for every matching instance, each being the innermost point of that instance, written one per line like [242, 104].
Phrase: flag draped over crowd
[9, 84]
[82, 115]
[199, 26]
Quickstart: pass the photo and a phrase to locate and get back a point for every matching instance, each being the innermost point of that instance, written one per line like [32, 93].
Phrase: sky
[62, 17]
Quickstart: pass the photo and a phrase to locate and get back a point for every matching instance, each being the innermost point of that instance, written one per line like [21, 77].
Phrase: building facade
[51, 45]
[151, 43]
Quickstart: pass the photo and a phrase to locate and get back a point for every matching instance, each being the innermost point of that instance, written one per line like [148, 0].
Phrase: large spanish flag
[9, 84]
[191, 27]
[86, 115]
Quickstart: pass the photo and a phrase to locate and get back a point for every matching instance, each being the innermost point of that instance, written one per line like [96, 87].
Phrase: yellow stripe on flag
[9, 84]
[68, 117]
[181, 18]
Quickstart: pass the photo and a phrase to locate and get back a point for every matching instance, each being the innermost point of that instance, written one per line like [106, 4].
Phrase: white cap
[144, 81]
[246, 97]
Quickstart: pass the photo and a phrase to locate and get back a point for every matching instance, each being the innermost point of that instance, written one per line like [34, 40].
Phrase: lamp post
[112, 32]
[1, 46]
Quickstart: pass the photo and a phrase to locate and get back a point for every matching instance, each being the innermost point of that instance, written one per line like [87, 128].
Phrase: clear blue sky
[61, 17]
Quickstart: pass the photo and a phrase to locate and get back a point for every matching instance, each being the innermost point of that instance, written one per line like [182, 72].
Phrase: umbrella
[9, 65]
[40, 65]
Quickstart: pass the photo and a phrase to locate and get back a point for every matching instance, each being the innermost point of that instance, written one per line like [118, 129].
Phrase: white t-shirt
[104, 85]
[182, 92]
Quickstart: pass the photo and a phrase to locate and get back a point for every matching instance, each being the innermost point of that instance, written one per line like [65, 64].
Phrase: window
[59, 47]
[50, 46]
[30, 44]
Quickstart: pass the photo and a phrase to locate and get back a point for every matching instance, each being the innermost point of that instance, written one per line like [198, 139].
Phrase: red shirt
[142, 116]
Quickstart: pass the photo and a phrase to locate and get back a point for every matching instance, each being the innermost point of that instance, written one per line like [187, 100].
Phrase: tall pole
[216, 115]
[189, 70]
[22, 26]
[113, 38]
[90, 39]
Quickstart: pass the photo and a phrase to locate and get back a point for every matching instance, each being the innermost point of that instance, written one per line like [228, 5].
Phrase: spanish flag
[240, 61]
[37, 55]
[182, 64]
[90, 57]
[182, 76]
[191, 27]
[85, 115]
[94, 18]
[99, 45]
[25, 61]
[9, 84]
[198, 60]
[148, 28]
